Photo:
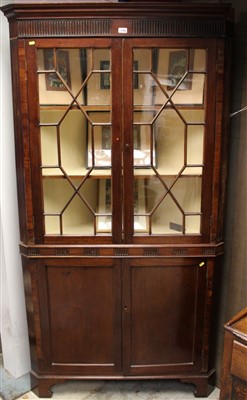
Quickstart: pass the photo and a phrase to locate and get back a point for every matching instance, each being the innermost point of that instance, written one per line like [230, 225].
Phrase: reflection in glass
[170, 141]
[99, 140]
[64, 81]
[58, 61]
[143, 146]
[170, 201]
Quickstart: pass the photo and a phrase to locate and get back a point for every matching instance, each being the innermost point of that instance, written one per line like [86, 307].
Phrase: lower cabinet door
[80, 311]
[164, 302]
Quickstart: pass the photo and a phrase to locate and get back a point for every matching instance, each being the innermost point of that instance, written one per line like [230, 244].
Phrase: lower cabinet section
[118, 319]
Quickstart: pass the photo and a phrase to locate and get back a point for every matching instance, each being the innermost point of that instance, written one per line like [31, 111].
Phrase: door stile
[21, 128]
[128, 178]
[116, 62]
[35, 143]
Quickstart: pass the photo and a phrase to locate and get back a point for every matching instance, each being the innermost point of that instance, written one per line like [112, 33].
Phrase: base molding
[41, 384]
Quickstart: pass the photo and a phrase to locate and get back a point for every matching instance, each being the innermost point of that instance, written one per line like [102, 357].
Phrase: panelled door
[164, 302]
[80, 316]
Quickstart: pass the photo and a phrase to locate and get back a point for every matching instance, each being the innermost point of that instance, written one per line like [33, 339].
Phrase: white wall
[13, 324]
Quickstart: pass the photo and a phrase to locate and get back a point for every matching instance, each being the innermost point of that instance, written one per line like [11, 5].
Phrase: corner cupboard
[120, 129]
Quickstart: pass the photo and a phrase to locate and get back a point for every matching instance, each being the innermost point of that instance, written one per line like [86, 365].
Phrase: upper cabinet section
[119, 110]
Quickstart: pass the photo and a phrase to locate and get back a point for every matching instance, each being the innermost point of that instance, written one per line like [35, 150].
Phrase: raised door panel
[80, 316]
[165, 311]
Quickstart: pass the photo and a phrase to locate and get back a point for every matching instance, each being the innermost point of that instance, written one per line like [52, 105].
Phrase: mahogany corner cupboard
[120, 131]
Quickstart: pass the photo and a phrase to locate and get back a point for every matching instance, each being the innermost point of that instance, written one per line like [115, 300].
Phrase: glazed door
[75, 129]
[164, 303]
[168, 139]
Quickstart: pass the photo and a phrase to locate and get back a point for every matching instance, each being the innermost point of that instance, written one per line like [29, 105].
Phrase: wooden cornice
[69, 19]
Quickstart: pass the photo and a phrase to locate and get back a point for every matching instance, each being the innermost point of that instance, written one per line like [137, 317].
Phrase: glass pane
[52, 225]
[170, 140]
[193, 224]
[72, 131]
[75, 141]
[195, 138]
[145, 117]
[104, 219]
[51, 117]
[143, 57]
[99, 117]
[192, 115]
[65, 143]
[140, 216]
[99, 82]
[99, 140]
[49, 150]
[143, 146]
